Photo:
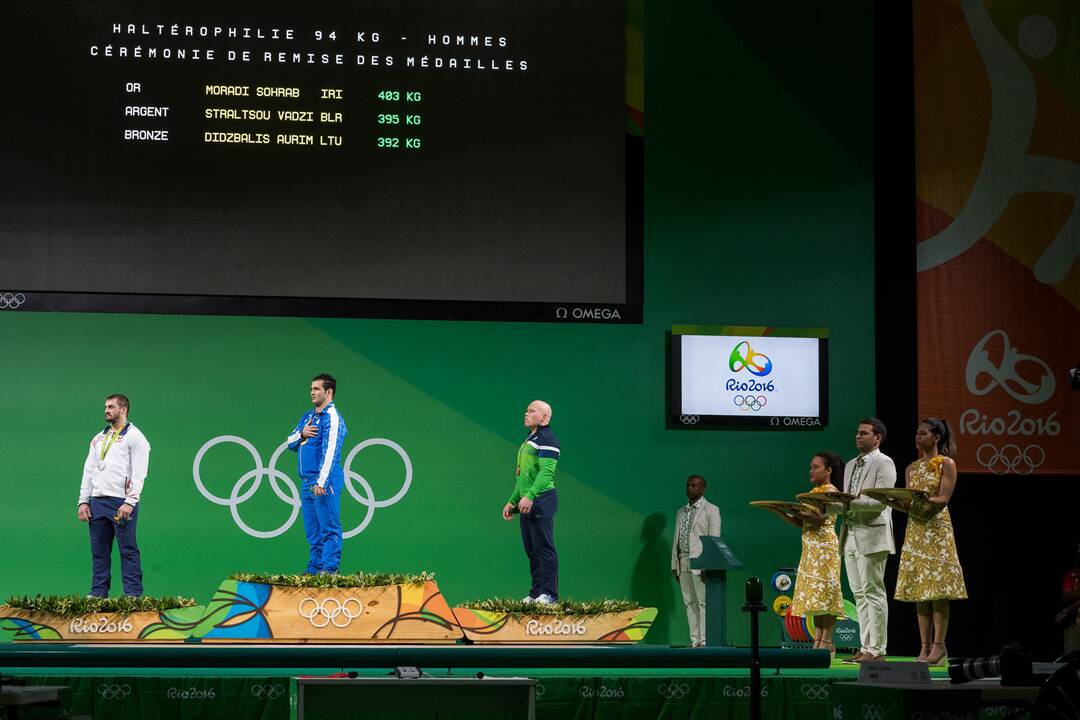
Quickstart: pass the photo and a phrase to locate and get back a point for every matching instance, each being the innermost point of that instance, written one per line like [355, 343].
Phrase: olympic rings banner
[291, 493]
[998, 230]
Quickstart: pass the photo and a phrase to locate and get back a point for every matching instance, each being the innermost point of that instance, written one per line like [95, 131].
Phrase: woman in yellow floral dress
[930, 574]
[817, 584]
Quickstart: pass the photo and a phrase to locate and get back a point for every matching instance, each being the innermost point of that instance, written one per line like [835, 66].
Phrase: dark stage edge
[584, 694]
[266, 690]
[183, 655]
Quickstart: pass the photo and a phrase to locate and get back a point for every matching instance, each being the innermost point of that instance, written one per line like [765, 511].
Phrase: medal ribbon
[520, 451]
[107, 445]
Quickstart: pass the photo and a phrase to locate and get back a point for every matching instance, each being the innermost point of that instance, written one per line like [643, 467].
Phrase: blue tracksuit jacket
[320, 457]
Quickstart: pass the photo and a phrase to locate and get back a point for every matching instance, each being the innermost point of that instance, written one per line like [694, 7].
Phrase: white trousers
[866, 576]
[693, 595]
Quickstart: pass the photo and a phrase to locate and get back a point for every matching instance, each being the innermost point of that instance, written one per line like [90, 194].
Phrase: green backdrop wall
[759, 211]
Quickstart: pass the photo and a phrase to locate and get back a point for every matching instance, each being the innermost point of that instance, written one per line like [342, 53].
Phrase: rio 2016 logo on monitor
[767, 377]
[743, 357]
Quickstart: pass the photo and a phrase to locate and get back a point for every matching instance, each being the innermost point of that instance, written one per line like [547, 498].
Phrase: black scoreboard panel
[397, 158]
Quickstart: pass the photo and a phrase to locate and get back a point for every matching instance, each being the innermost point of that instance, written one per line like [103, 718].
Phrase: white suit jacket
[706, 522]
[868, 521]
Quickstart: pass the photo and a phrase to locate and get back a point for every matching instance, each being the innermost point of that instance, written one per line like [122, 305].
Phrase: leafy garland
[563, 608]
[333, 580]
[75, 605]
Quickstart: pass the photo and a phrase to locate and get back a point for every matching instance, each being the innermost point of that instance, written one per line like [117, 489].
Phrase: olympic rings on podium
[322, 612]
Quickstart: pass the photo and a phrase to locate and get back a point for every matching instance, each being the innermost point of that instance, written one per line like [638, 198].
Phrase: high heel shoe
[938, 655]
[924, 653]
[828, 645]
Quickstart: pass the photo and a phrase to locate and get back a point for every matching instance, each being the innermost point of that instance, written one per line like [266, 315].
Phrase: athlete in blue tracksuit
[318, 438]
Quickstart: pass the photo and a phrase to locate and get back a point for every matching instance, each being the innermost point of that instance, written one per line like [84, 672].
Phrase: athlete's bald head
[537, 414]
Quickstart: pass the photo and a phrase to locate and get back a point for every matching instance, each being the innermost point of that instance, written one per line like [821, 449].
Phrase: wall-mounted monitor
[729, 375]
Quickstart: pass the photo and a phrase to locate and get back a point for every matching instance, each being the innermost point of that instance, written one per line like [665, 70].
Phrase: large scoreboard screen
[394, 158]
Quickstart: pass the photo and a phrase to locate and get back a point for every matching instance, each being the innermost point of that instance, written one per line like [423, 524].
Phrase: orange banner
[997, 106]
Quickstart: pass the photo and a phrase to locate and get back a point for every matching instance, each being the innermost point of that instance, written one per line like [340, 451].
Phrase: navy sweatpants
[538, 537]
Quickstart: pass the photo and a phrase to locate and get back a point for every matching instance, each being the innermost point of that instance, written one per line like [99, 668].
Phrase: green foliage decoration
[358, 579]
[76, 605]
[563, 608]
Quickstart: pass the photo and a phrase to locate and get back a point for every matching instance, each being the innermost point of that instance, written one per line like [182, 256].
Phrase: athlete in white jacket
[112, 482]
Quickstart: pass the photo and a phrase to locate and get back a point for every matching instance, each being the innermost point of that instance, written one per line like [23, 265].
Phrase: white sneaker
[545, 599]
[528, 600]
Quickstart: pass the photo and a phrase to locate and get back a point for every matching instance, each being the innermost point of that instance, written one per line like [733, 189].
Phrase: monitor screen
[750, 376]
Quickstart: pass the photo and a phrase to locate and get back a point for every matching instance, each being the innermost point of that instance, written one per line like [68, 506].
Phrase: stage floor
[627, 694]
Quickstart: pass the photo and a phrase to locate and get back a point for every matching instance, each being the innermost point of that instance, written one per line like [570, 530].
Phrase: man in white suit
[696, 518]
[866, 538]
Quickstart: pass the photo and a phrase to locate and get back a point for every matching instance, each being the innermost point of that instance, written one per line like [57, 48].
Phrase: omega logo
[587, 313]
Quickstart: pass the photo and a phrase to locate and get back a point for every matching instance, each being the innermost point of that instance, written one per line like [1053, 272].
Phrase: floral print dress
[929, 566]
[817, 584]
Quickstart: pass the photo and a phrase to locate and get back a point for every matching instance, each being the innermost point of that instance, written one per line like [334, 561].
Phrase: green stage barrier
[631, 696]
[899, 703]
[123, 697]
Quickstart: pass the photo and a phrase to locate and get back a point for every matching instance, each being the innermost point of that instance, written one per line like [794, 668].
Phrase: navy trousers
[103, 528]
[538, 537]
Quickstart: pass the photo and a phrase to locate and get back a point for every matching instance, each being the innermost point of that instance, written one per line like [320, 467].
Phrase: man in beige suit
[866, 538]
[696, 518]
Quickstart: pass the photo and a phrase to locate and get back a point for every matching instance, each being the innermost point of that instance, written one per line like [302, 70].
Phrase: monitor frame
[677, 420]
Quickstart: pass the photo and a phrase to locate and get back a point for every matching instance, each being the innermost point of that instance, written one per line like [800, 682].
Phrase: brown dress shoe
[857, 657]
[869, 657]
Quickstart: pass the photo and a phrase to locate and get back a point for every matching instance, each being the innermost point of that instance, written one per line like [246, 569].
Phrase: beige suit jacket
[868, 522]
[706, 522]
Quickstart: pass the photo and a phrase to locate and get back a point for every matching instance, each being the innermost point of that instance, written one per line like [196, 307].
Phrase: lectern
[714, 561]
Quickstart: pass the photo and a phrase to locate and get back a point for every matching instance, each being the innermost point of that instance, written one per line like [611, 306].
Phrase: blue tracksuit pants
[322, 526]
